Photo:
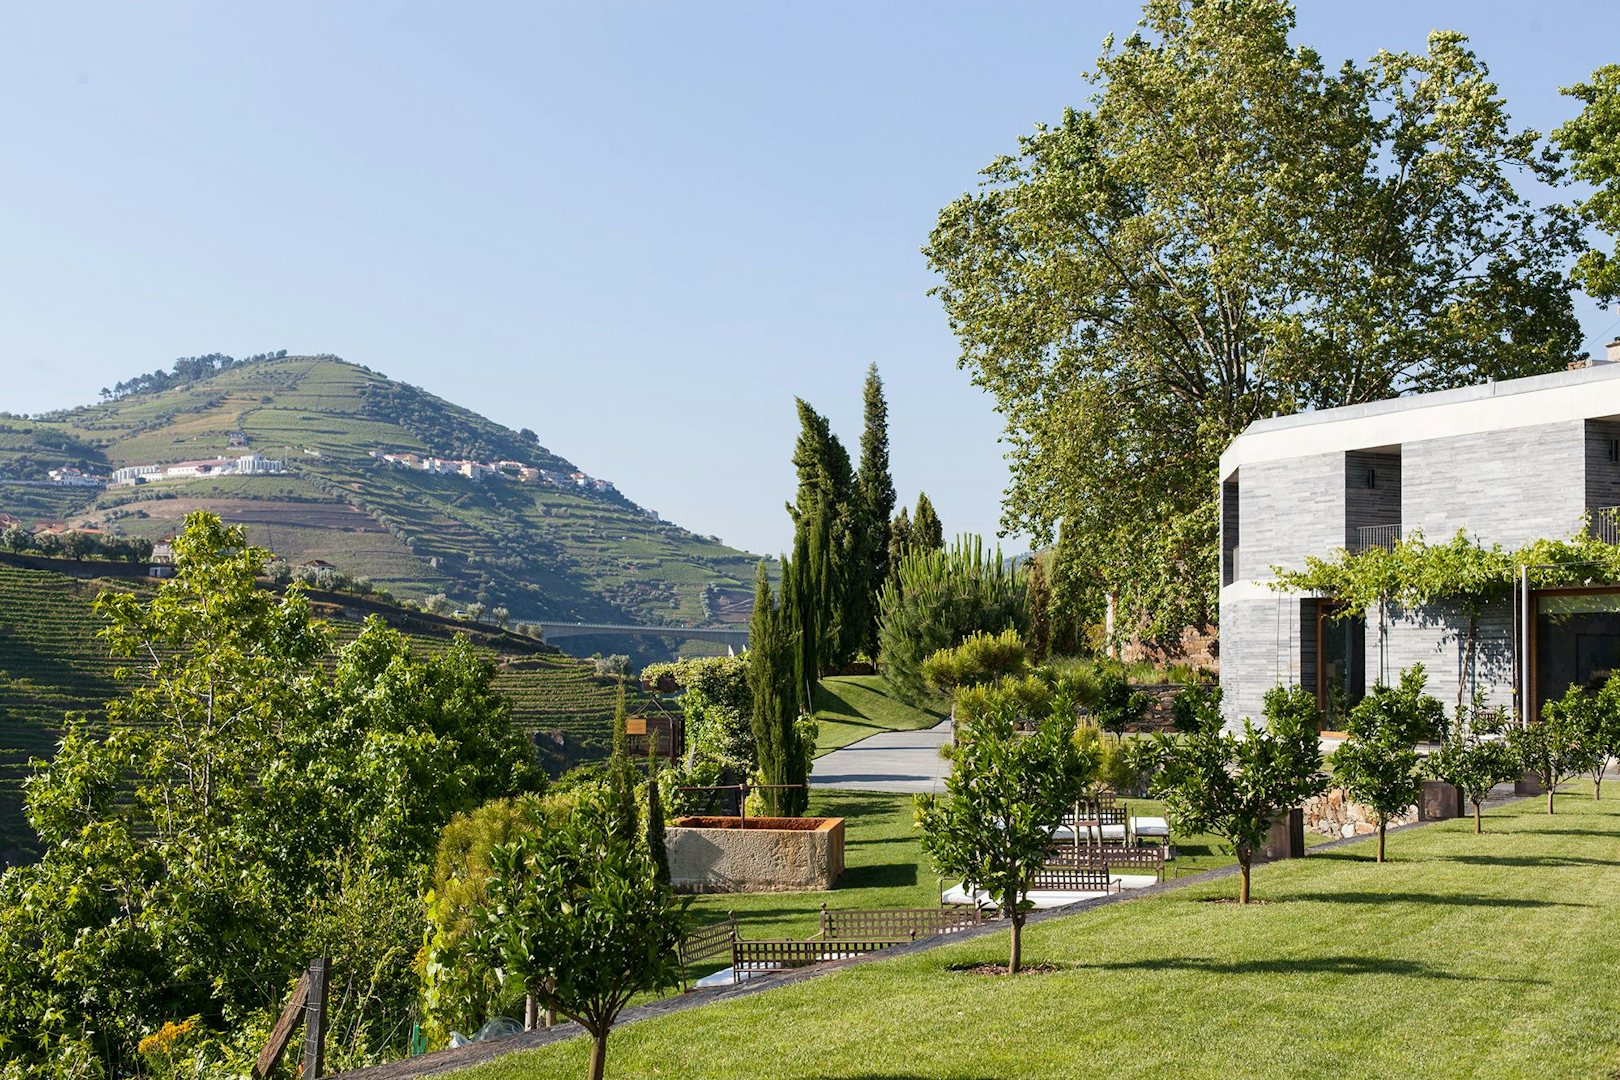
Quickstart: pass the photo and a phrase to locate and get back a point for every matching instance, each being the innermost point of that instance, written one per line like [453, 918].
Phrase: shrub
[980, 658]
[938, 597]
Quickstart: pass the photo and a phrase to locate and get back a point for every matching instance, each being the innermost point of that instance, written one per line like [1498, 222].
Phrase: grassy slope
[51, 662]
[542, 552]
[1466, 956]
[851, 707]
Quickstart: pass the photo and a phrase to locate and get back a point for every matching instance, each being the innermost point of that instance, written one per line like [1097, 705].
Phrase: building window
[1575, 641]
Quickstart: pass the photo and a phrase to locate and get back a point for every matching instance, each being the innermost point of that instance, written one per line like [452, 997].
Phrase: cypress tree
[655, 820]
[824, 543]
[926, 531]
[899, 541]
[622, 773]
[874, 500]
[1040, 602]
[771, 663]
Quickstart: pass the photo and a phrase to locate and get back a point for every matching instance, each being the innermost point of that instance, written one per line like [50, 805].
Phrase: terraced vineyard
[51, 663]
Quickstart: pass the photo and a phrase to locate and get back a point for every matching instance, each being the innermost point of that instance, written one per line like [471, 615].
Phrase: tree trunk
[599, 1056]
[1549, 798]
[1243, 875]
[531, 1013]
[1597, 786]
[1476, 818]
[1381, 827]
[1017, 944]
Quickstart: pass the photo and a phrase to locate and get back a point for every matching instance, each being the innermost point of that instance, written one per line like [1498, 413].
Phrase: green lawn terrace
[1464, 956]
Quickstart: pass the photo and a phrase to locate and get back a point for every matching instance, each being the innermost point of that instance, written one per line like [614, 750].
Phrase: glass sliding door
[1341, 664]
[1576, 641]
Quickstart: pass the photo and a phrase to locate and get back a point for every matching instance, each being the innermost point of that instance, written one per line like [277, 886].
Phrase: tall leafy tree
[1592, 141]
[1230, 229]
[874, 501]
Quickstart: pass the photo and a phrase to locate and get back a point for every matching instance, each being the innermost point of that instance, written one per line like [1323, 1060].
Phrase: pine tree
[874, 499]
[926, 531]
[655, 820]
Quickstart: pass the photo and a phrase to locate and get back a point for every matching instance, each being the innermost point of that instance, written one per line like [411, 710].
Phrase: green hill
[543, 551]
[51, 663]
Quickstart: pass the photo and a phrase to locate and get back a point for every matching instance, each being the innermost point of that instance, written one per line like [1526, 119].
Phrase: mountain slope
[542, 551]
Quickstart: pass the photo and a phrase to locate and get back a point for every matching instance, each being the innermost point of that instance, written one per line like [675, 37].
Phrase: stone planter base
[713, 855]
[1440, 801]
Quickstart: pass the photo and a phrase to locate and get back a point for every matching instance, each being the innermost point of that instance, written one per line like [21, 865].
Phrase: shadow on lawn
[1528, 860]
[1445, 899]
[879, 876]
[1323, 965]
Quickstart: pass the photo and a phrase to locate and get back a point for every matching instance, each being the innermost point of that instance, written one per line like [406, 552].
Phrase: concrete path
[901, 761]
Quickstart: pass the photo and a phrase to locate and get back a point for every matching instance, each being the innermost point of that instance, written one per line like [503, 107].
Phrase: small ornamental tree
[1235, 786]
[1474, 764]
[1603, 736]
[576, 915]
[1006, 792]
[980, 658]
[1378, 763]
[1118, 706]
[1557, 749]
[1197, 708]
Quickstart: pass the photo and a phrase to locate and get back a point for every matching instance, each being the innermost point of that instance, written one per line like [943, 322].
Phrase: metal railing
[1378, 536]
[1605, 524]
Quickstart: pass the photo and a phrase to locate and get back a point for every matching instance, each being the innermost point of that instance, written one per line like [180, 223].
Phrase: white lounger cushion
[1150, 826]
[1109, 832]
[1041, 898]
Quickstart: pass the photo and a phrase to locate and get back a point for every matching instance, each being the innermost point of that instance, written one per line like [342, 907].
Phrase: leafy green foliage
[1006, 792]
[1378, 763]
[938, 598]
[243, 810]
[575, 916]
[1196, 707]
[1235, 786]
[717, 703]
[1224, 232]
[1559, 746]
[926, 531]
[1602, 736]
[1117, 705]
[979, 658]
[1592, 141]
[1474, 759]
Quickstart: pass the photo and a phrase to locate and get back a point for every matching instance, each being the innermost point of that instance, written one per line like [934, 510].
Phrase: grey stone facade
[1506, 463]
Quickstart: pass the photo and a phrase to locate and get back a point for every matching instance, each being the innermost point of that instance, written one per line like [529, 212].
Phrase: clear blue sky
[637, 228]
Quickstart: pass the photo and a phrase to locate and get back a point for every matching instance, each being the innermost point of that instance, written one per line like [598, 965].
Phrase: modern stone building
[1506, 462]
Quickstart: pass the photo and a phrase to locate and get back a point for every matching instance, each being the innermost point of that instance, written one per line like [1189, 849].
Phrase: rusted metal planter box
[715, 854]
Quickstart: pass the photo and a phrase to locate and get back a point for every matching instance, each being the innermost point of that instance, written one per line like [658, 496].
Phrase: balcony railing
[1605, 524]
[1377, 536]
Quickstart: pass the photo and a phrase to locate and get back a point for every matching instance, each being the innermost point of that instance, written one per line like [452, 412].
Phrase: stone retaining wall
[1334, 814]
[771, 855]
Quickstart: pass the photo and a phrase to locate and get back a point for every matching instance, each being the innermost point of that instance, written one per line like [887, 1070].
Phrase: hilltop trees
[1222, 233]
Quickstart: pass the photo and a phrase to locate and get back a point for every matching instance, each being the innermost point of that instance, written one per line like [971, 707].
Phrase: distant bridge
[737, 638]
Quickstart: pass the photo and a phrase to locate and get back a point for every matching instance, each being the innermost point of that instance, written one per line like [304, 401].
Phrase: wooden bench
[1074, 879]
[1109, 858]
[706, 943]
[895, 924]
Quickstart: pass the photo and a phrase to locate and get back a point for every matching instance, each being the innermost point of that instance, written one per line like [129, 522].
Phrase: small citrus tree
[1236, 785]
[576, 915]
[1559, 747]
[1603, 737]
[1006, 792]
[1378, 763]
[1473, 761]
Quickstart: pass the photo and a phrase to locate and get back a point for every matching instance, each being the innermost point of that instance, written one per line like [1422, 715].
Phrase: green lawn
[1465, 956]
[851, 707]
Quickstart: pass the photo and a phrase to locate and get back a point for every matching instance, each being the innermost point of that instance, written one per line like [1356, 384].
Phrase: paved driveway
[904, 761]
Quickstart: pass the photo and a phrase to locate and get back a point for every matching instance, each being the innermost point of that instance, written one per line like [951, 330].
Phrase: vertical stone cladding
[1290, 509]
[1502, 487]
